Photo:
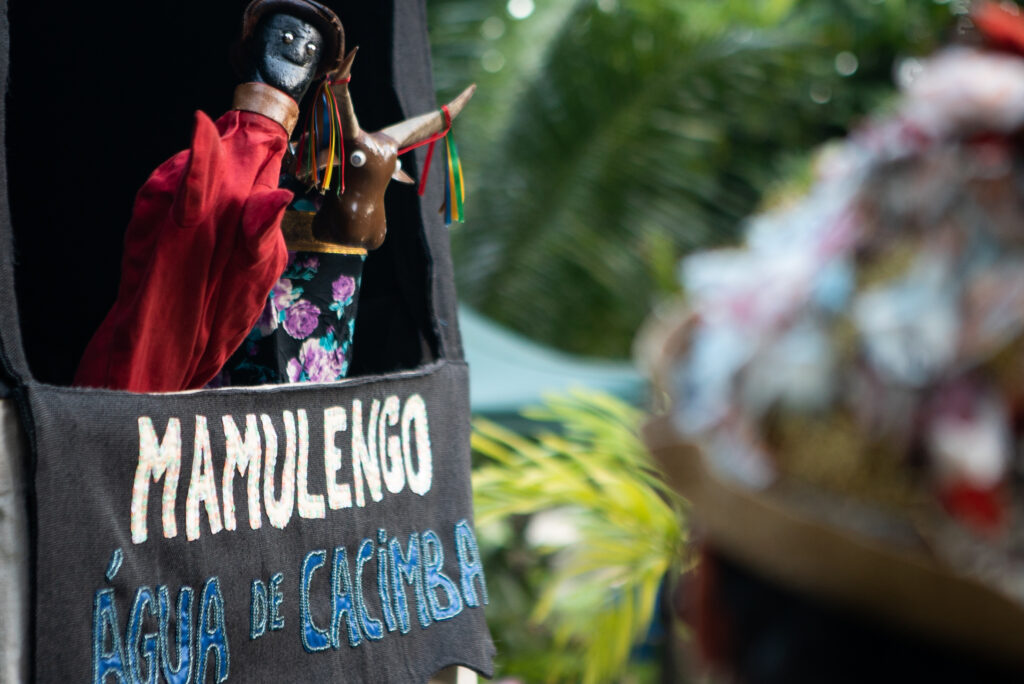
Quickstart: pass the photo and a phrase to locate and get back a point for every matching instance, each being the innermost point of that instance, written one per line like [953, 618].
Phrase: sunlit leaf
[599, 595]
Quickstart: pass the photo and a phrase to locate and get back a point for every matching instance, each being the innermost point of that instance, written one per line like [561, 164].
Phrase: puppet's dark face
[286, 54]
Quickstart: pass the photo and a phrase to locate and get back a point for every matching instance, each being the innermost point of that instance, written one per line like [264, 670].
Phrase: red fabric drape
[202, 250]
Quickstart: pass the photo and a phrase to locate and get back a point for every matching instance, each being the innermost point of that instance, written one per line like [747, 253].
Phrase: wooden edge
[678, 461]
[297, 227]
[908, 589]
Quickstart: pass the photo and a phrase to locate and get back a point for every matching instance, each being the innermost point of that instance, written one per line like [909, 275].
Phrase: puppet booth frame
[100, 571]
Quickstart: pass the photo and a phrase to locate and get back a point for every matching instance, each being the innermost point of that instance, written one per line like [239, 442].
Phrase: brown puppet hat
[320, 16]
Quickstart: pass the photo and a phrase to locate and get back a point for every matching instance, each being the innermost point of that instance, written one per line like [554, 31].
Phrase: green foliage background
[620, 134]
[607, 139]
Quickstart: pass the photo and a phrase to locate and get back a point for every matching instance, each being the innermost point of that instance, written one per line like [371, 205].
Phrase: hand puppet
[341, 174]
[204, 246]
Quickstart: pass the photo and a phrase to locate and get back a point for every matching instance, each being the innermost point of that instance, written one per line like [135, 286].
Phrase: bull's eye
[288, 37]
[358, 158]
[311, 49]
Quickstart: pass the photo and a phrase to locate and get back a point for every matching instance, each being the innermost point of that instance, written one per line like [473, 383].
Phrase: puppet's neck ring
[268, 101]
[297, 227]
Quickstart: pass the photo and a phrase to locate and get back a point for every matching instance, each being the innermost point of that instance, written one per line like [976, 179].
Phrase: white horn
[420, 128]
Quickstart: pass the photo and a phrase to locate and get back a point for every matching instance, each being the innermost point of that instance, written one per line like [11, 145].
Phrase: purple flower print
[301, 319]
[343, 288]
[301, 269]
[316, 364]
[282, 296]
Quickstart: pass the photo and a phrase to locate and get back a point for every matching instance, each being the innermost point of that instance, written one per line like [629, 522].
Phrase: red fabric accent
[202, 251]
[430, 150]
[982, 509]
[426, 169]
[709, 619]
[1002, 28]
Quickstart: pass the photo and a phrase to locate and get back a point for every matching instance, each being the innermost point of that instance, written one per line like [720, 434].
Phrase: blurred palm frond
[617, 136]
[597, 597]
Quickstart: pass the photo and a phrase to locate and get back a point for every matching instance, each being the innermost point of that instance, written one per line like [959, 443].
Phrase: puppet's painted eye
[288, 37]
[311, 49]
[358, 158]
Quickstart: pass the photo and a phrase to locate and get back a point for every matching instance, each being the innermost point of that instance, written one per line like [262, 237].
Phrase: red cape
[202, 251]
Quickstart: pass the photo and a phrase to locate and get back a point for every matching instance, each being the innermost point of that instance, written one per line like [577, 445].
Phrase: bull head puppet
[308, 326]
[355, 216]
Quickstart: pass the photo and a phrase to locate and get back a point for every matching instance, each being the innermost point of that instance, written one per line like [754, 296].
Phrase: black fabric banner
[299, 534]
[303, 533]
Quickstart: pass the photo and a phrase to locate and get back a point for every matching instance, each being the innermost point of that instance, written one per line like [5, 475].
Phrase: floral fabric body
[306, 329]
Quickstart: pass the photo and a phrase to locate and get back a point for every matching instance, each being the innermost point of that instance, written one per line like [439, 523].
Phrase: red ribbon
[1002, 28]
[430, 150]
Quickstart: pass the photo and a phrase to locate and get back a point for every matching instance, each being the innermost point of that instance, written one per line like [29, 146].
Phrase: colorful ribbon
[324, 111]
[324, 121]
[454, 186]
